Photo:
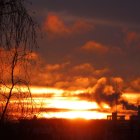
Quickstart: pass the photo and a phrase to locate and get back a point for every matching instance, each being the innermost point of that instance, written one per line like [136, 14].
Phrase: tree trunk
[13, 65]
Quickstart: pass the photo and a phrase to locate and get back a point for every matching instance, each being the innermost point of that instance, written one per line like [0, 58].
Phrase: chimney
[114, 116]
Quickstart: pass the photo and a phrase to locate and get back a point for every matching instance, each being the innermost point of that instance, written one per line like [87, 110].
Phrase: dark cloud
[84, 34]
[110, 91]
[111, 10]
[55, 26]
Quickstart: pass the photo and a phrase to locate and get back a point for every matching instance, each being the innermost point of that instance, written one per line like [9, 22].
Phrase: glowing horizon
[76, 107]
[87, 115]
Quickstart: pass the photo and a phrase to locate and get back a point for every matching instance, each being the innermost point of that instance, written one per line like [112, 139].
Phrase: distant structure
[136, 117]
[115, 116]
[34, 117]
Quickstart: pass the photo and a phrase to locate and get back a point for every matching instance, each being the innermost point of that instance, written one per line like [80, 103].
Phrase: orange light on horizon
[105, 106]
[71, 103]
[47, 90]
[75, 115]
[68, 101]
[42, 90]
[33, 90]
[133, 98]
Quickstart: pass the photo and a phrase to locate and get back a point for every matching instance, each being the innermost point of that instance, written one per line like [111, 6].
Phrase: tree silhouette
[17, 27]
[17, 41]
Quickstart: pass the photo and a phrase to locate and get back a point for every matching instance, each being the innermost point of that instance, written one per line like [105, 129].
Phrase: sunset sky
[88, 47]
[84, 41]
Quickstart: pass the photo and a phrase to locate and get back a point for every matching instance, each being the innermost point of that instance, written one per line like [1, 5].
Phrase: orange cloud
[82, 76]
[54, 25]
[130, 38]
[22, 68]
[135, 85]
[81, 26]
[87, 68]
[109, 85]
[66, 76]
[108, 90]
[95, 47]
[99, 48]
[54, 67]
[75, 83]
[32, 56]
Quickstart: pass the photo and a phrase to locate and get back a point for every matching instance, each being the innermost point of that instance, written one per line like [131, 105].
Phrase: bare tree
[17, 40]
[16, 26]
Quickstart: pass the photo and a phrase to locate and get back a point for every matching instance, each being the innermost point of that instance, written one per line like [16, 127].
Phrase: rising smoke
[110, 90]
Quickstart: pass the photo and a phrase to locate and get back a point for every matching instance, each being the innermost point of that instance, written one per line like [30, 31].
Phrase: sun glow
[65, 103]
[42, 90]
[72, 103]
[75, 115]
[105, 106]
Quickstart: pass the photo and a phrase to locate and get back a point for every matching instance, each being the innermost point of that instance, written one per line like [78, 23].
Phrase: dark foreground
[61, 129]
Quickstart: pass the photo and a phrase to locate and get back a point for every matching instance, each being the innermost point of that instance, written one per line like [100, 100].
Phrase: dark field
[61, 129]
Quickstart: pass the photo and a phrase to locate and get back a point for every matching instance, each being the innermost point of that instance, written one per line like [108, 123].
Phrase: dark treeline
[62, 129]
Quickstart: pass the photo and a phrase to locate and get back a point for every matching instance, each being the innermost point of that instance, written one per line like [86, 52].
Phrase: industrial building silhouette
[115, 116]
